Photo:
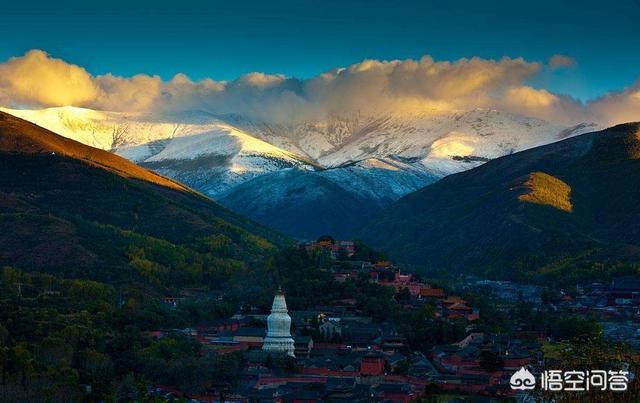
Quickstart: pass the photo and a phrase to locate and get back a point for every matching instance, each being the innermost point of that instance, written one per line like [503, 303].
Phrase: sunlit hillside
[548, 190]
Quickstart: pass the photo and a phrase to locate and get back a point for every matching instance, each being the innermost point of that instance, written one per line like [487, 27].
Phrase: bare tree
[118, 135]
[178, 129]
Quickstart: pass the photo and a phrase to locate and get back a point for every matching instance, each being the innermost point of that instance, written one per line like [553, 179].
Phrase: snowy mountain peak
[375, 159]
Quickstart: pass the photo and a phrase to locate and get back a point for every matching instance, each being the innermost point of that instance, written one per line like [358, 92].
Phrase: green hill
[69, 208]
[563, 211]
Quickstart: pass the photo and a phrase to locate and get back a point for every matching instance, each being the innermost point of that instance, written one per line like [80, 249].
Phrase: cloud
[618, 106]
[371, 86]
[542, 104]
[39, 80]
[375, 84]
[561, 61]
[261, 80]
[140, 92]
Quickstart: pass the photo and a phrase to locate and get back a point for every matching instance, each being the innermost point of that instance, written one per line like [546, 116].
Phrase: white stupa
[279, 338]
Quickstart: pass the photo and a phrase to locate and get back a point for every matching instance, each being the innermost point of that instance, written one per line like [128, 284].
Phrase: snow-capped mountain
[431, 136]
[359, 163]
[215, 160]
[194, 148]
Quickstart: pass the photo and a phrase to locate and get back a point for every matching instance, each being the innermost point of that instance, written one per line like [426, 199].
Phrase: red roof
[432, 292]
[459, 306]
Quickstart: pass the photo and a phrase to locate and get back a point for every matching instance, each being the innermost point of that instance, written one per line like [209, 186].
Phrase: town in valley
[342, 352]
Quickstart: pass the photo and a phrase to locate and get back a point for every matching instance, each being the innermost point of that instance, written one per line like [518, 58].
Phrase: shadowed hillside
[86, 212]
[20, 136]
[301, 203]
[571, 203]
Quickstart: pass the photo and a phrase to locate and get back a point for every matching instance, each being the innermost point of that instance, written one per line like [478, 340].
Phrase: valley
[344, 165]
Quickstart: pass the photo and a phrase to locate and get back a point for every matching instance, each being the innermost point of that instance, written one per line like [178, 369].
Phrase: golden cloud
[372, 86]
[39, 80]
[618, 106]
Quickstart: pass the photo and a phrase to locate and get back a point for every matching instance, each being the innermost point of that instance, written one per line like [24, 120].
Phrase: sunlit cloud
[618, 106]
[542, 104]
[38, 80]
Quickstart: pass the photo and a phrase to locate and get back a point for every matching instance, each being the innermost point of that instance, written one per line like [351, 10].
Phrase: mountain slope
[303, 204]
[370, 160]
[194, 148]
[577, 196]
[307, 204]
[431, 137]
[373, 161]
[68, 207]
[216, 161]
[20, 137]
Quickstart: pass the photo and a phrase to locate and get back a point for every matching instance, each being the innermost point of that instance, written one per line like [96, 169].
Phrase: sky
[595, 43]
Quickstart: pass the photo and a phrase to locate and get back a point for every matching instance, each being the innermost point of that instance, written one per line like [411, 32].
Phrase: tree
[118, 135]
[403, 296]
[571, 327]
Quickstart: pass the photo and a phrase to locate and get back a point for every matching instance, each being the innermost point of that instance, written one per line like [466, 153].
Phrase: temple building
[279, 338]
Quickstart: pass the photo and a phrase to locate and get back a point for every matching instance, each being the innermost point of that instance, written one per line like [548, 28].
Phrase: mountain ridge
[373, 160]
[69, 208]
[477, 220]
[35, 139]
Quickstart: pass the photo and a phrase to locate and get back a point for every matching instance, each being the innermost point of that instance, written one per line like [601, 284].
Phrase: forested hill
[69, 208]
[567, 211]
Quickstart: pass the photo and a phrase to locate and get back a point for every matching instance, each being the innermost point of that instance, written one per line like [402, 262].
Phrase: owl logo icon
[522, 380]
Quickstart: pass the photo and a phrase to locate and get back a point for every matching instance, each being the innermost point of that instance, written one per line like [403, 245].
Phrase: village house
[333, 247]
[395, 392]
[431, 293]
[372, 364]
[252, 336]
[218, 326]
[420, 366]
[330, 329]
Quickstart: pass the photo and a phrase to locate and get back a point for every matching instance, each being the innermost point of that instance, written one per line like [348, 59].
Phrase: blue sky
[224, 39]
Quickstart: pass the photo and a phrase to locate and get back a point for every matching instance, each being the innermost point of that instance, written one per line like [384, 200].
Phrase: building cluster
[622, 294]
[507, 290]
[385, 273]
[334, 248]
[615, 304]
[482, 363]
[338, 354]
